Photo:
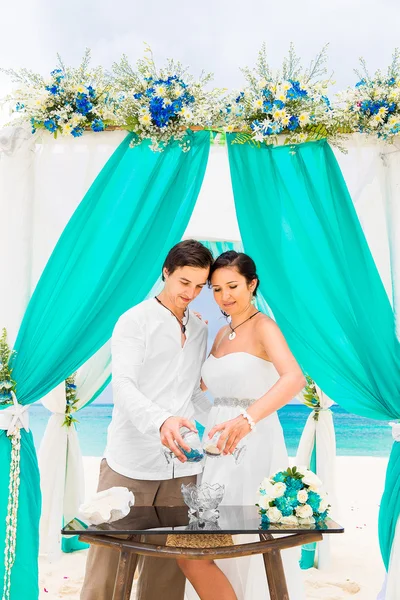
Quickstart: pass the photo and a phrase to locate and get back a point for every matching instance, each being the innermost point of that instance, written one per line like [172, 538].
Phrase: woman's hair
[242, 262]
[189, 253]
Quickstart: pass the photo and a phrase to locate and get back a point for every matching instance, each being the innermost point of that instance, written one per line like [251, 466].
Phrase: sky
[215, 35]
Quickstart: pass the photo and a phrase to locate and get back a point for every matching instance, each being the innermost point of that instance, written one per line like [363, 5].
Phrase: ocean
[355, 436]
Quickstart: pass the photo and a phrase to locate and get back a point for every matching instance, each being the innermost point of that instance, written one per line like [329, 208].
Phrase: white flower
[290, 520]
[323, 505]
[145, 119]
[277, 490]
[302, 496]
[307, 521]
[262, 83]
[277, 114]
[304, 119]
[264, 501]
[274, 514]
[81, 89]
[259, 137]
[257, 104]
[75, 120]
[304, 511]
[309, 478]
[160, 90]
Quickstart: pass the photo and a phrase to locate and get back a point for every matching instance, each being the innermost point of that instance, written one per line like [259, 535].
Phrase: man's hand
[171, 436]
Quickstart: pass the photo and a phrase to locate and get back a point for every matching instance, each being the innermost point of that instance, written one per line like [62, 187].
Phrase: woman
[251, 373]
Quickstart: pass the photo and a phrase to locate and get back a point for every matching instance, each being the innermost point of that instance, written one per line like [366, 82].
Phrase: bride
[251, 373]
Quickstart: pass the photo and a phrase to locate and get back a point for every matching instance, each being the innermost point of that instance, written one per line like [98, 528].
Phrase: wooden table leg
[126, 572]
[275, 572]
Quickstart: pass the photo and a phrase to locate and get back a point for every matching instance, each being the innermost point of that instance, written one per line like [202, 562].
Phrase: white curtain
[17, 160]
[60, 459]
[321, 433]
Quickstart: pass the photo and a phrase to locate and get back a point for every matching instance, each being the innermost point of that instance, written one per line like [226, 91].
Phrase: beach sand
[356, 569]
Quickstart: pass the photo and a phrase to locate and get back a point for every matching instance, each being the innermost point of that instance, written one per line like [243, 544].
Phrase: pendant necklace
[182, 325]
[232, 334]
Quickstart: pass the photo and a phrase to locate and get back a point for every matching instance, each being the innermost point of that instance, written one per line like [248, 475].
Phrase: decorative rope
[12, 511]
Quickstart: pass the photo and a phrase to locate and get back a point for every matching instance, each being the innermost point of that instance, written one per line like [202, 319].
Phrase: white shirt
[153, 378]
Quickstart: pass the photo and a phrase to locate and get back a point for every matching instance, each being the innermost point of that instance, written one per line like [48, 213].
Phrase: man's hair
[189, 253]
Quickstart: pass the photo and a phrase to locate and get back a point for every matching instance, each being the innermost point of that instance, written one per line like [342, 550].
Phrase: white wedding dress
[235, 380]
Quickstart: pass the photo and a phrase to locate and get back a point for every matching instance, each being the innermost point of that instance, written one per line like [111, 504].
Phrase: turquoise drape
[318, 276]
[106, 260]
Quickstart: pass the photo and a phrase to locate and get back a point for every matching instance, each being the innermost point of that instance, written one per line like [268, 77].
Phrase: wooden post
[274, 570]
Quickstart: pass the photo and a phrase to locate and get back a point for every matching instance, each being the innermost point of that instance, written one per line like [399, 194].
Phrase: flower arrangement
[7, 384]
[71, 400]
[67, 102]
[373, 105]
[311, 397]
[162, 104]
[291, 498]
[292, 101]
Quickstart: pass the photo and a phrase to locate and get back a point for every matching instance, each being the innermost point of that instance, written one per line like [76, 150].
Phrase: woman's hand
[231, 433]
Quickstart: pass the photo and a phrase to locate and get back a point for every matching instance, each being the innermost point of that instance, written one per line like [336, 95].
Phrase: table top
[165, 520]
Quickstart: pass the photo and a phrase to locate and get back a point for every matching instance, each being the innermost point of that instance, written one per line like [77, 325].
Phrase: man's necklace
[232, 334]
[183, 326]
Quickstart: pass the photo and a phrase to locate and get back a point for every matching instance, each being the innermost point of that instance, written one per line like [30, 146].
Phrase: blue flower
[366, 106]
[5, 396]
[50, 125]
[264, 521]
[391, 107]
[77, 132]
[267, 106]
[238, 98]
[360, 83]
[391, 81]
[92, 93]
[279, 103]
[138, 95]
[177, 105]
[293, 123]
[149, 92]
[98, 125]
[83, 104]
[294, 483]
[314, 500]
[284, 505]
[326, 100]
[279, 477]
[53, 89]
[276, 128]
[19, 106]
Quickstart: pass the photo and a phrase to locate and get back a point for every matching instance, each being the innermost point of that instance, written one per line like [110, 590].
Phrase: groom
[158, 348]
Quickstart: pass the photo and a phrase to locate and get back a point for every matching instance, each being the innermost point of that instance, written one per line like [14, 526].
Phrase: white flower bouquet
[293, 102]
[162, 104]
[68, 102]
[373, 105]
[292, 497]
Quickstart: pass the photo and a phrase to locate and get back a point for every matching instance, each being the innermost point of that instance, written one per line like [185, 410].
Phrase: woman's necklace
[232, 334]
[180, 321]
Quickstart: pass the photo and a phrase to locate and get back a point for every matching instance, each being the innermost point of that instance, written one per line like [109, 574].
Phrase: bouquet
[292, 497]
[373, 105]
[292, 102]
[67, 102]
[162, 104]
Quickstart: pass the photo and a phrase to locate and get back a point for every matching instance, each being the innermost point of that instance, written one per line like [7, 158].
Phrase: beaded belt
[234, 402]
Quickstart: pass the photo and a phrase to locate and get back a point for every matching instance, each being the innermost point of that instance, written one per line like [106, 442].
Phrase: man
[158, 348]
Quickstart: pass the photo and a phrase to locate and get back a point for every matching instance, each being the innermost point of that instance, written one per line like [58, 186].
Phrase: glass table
[126, 534]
